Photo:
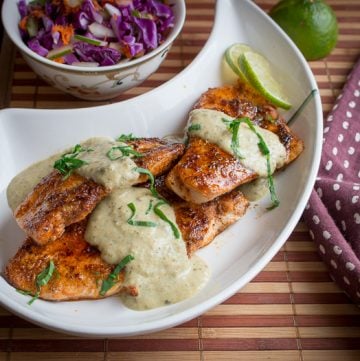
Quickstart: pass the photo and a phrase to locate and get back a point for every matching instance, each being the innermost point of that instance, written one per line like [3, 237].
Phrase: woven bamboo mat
[291, 311]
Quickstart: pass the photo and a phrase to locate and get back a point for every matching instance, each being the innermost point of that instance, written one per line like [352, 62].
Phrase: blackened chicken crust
[79, 269]
[199, 224]
[205, 171]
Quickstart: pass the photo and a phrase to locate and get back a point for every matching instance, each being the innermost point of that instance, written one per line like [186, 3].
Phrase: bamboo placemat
[291, 311]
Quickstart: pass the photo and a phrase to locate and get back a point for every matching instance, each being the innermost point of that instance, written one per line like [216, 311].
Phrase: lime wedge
[257, 70]
[232, 55]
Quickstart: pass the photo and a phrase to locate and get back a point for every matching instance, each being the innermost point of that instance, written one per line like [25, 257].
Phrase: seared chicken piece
[55, 202]
[79, 269]
[159, 155]
[199, 224]
[243, 101]
[206, 171]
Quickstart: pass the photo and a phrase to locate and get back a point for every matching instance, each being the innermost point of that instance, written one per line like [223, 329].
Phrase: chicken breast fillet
[199, 224]
[159, 155]
[56, 203]
[243, 101]
[79, 269]
[206, 171]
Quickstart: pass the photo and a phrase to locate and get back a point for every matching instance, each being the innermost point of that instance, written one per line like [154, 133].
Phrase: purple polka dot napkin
[333, 211]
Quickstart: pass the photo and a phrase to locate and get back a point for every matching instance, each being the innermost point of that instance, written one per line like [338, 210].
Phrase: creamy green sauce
[255, 190]
[212, 128]
[101, 169]
[161, 270]
[110, 173]
[24, 182]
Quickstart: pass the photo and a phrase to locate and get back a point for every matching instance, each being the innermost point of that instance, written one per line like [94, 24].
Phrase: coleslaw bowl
[93, 83]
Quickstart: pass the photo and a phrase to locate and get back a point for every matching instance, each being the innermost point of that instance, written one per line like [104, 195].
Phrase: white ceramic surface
[93, 83]
[239, 253]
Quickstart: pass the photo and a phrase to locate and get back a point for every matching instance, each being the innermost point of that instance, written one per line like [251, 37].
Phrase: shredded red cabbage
[34, 45]
[22, 8]
[123, 30]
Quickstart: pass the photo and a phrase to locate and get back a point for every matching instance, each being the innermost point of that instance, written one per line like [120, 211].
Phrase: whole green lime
[311, 24]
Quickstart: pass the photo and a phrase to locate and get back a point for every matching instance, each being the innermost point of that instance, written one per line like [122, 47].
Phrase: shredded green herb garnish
[111, 280]
[151, 179]
[42, 279]
[149, 207]
[68, 161]
[132, 222]
[25, 293]
[126, 137]
[124, 150]
[194, 127]
[274, 199]
[234, 128]
[162, 216]
[302, 106]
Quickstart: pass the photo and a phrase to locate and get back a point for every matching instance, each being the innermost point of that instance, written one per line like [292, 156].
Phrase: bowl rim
[19, 43]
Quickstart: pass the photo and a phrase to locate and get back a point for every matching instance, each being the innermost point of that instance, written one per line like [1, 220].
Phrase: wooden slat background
[291, 311]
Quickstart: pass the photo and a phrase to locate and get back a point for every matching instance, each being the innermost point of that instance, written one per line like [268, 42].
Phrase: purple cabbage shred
[35, 46]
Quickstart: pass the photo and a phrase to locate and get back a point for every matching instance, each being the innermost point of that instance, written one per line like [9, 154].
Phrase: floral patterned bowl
[93, 83]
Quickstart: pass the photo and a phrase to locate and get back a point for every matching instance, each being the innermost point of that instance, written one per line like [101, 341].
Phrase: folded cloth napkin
[333, 211]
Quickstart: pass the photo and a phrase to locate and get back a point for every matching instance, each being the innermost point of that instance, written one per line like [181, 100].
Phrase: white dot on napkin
[329, 165]
[316, 219]
[338, 205]
[337, 250]
[357, 218]
[343, 225]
